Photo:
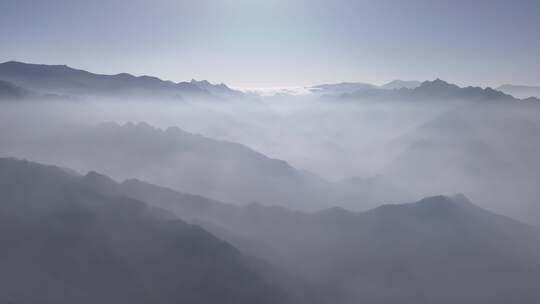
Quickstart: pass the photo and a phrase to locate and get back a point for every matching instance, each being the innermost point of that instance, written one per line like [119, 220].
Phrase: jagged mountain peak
[220, 89]
[437, 84]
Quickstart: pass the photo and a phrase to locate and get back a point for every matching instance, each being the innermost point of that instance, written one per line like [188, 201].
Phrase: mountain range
[352, 87]
[421, 252]
[435, 90]
[64, 80]
[434, 250]
[486, 150]
[418, 91]
[438, 250]
[221, 89]
[190, 163]
[65, 242]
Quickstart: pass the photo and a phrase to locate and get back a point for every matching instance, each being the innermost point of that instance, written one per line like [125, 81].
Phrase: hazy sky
[281, 42]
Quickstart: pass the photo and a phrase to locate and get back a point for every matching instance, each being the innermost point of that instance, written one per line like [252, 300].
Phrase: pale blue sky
[281, 42]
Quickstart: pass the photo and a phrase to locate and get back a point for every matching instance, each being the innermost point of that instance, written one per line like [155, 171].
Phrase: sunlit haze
[281, 43]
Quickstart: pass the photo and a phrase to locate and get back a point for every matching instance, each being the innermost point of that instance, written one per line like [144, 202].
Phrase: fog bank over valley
[350, 145]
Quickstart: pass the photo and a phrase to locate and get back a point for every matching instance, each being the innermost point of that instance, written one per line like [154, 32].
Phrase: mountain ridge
[193, 163]
[70, 243]
[393, 232]
[62, 79]
[437, 90]
[403, 249]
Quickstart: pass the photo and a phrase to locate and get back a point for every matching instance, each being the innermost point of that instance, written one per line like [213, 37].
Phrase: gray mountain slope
[186, 162]
[65, 242]
[437, 250]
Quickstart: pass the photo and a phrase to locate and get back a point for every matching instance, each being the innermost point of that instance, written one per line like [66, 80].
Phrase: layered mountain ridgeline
[434, 90]
[189, 163]
[351, 87]
[217, 89]
[64, 80]
[94, 239]
[437, 250]
[65, 242]
[486, 151]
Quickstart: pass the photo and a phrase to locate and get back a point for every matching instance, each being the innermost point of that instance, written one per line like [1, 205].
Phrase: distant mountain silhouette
[450, 141]
[217, 89]
[521, 91]
[66, 242]
[435, 90]
[64, 80]
[482, 149]
[413, 91]
[399, 84]
[191, 163]
[355, 87]
[437, 250]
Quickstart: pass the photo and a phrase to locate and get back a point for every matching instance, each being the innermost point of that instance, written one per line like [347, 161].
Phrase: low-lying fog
[489, 152]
